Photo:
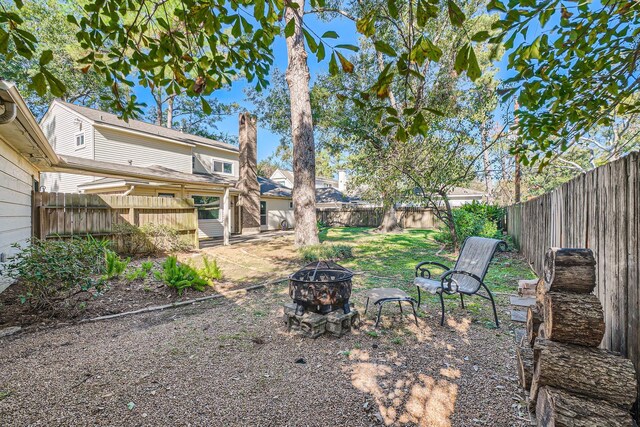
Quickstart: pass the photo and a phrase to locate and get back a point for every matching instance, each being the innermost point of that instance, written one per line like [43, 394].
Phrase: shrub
[149, 239]
[180, 276]
[140, 273]
[210, 270]
[468, 223]
[326, 252]
[55, 270]
[114, 266]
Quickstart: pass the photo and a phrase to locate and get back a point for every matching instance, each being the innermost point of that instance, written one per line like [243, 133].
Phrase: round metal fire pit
[321, 287]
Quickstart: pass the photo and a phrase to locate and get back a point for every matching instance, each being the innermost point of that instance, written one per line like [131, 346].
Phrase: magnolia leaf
[496, 5]
[462, 60]
[480, 36]
[393, 9]
[206, 107]
[347, 46]
[333, 65]
[39, 84]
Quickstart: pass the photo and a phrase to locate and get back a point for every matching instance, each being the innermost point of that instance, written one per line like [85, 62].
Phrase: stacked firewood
[571, 382]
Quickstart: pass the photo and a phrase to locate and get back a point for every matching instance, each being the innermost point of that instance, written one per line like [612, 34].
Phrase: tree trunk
[557, 408]
[569, 270]
[573, 319]
[486, 163]
[158, 98]
[390, 218]
[534, 320]
[170, 112]
[304, 166]
[451, 224]
[591, 372]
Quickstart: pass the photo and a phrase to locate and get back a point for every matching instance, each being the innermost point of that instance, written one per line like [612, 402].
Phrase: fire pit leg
[379, 313]
[346, 307]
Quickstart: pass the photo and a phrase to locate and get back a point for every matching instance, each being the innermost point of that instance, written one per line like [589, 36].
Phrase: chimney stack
[342, 180]
[249, 199]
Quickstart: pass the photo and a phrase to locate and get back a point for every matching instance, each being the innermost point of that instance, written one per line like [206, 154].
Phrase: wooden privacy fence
[599, 210]
[421, 218]
[67, 214]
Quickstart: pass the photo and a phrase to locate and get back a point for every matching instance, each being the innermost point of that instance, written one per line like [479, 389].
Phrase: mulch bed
[120, 295]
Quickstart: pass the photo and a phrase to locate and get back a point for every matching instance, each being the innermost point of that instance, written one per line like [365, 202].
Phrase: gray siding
[61, 126]
[205, 155]
[16, 175]
[127, 148]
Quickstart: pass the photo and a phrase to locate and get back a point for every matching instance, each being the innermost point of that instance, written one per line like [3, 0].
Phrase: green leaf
[393, 9]
[290, 28]
[39, 84]
[480, 36]
[496, 5]
[348, 47]
[330, 35]
[46, 57]
[473, 69]
[385, 48]
[333, 65]
[206, 108]
[320, 53]
[455, 14]
[462, 60]
[311, 42]
[258, 10]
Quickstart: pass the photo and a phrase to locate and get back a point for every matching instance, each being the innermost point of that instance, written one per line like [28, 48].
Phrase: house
[107, 155]
[24, 153]
[285, 178]
[459, 196]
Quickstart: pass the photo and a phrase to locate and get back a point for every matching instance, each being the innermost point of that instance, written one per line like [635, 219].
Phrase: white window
[80, 140]
[223, 167]
[290, 205]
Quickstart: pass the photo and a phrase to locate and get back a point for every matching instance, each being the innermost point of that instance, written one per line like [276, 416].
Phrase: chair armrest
[426, 270]
[466, 273]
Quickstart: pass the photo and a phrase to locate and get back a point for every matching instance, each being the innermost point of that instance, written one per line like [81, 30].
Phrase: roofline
[125, 183]
[135, 131]
[116, 172]
[35, 130]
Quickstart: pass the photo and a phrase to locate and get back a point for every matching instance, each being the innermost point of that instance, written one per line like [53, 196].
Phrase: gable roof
[289, 176]
[272, 188]
[104, 118]
[331, 195]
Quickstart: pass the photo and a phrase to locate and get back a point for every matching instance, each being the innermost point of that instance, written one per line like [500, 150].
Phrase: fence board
[66, 214]
[598, 210]
[409, 217]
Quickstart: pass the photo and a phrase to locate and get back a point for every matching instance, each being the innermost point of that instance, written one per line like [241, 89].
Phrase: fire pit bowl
[321, 287]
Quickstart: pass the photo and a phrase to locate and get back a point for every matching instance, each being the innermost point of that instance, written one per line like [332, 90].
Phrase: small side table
[384, 295]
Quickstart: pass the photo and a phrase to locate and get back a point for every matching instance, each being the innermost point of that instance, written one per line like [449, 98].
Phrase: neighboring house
[460, 196]
[174, 164]
[285, 178]
[24, 152]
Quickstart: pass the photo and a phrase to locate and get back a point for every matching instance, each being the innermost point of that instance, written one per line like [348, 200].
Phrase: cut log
[573, 319]
[557, 408]
[524, 358]
[534, 320]
[541, 291]
[569, 270]
[591, 372]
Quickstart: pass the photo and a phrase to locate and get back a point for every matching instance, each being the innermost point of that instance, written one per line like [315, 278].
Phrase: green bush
[114, 266]
[140, 273]
[180, 276]
[54, 270]
[469, 222]
[210, 270]
[326, 252]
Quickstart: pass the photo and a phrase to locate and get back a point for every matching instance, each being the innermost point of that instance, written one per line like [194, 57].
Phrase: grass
[388, 260]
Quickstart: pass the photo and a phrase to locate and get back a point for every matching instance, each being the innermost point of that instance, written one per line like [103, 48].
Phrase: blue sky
[267, 141]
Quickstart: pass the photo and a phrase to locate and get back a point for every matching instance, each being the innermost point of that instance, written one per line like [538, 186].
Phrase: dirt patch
[118, 296]
[232, 363]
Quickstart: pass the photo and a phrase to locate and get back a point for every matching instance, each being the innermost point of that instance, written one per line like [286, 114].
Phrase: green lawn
[388, 260]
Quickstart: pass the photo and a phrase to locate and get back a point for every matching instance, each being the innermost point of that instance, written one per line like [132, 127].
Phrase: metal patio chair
[466, 277]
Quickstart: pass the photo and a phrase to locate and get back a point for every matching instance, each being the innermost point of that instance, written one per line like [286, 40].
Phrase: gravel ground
[231, 363]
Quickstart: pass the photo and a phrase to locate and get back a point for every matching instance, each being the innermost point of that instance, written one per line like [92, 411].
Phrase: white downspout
[126, 193]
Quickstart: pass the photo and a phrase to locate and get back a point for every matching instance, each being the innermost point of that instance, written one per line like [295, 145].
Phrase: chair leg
[418, 296]
[400, 305]
[379, 313]
[495, 313]
[461, 301]
[415, 315]
[442, 305]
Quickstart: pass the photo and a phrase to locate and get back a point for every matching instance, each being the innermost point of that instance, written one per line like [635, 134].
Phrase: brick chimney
[249, 199]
